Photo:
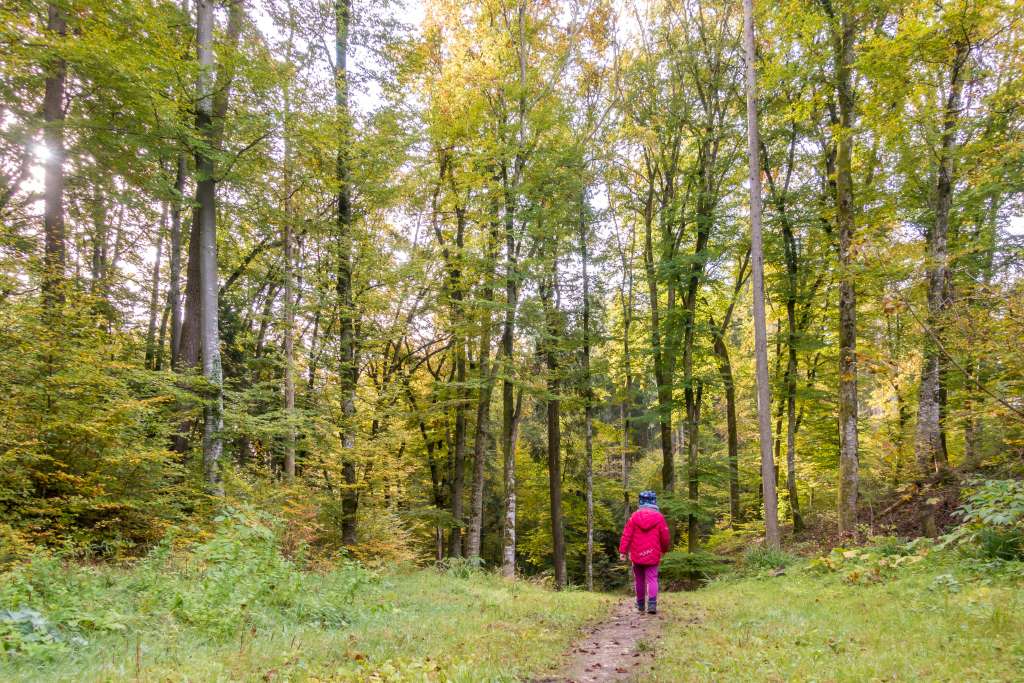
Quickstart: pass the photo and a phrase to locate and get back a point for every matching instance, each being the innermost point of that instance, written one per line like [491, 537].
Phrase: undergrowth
[234, 607]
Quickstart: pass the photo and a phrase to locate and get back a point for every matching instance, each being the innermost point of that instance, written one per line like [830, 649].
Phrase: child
[645, 538]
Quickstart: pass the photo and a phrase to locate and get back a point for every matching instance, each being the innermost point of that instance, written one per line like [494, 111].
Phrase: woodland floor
[855, 615]
[620, 648]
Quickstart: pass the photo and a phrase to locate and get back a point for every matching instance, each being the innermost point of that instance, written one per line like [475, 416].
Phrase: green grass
[940, 619]
[420, 625]
[233, 608]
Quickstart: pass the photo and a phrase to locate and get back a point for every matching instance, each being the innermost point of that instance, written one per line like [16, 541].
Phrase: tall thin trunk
[191, 329]
[206, 215]
[154, 294]
[553, 331]
[929, 446]
[458, 315]
[158, 363]
[849, 475]
[508, 563]
[289, 293]
[793, 329]
[662, 371]
[732, 439]
[757, 261]
[174, 262]
[725, 372]
[482, 437]
[347, 367]
[510, 413]
[693, 396]
[588, 406]
[54, 251]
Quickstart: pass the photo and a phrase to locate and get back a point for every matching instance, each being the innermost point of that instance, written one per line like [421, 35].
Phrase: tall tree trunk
[154, 294]
[458, 318]
[929, 446]
[729, 386]
[206, 214]
[732, 438]
[849, 476]
[54, 251]
[551, 313]
[289, 286]
[508, 563]
[347, 367]
[174, 262]
[588, 404]
[693, 396]
[792, 283]
[771, 520]
[662, 371]
[482, 432]
[161, 339]
[191, 329]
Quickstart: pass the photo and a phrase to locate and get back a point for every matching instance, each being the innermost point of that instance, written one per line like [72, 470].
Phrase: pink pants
[645, 579]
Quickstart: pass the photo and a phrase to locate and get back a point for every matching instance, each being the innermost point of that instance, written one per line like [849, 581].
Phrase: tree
[771, 519]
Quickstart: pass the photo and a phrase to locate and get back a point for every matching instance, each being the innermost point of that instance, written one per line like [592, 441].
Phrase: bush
[1000, 544]
[83, 449]
[764, 557]
[993, 519]
[461, 567]
[690, 570]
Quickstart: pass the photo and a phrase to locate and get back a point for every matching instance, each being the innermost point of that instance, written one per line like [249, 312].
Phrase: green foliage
[93, 624]
[690, 569]
[29, 633]
[992, 517]
[941, 619]
[763, 558]
[868, 565]
[84, 453]
[460, 567]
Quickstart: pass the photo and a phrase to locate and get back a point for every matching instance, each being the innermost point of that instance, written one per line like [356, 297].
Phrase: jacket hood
[647, 518]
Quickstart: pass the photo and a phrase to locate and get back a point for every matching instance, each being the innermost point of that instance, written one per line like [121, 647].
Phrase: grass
[417, 626]
[940, 619]
[234, 609]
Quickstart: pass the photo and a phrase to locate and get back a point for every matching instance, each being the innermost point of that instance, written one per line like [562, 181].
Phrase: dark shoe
[652, 606]
[640, 606]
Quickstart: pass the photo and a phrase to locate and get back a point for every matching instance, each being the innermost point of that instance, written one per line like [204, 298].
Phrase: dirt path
[618, 649]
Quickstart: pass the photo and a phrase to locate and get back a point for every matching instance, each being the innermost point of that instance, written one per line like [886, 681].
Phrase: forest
[298, 294]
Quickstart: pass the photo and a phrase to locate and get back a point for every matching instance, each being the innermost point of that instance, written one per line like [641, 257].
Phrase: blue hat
[648, 498]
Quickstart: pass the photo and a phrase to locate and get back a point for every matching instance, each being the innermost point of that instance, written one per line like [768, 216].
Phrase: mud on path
[618, 649]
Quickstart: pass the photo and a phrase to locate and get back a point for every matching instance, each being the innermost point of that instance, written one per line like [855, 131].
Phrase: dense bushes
[236, 580]
[84, 453]
[993, 519]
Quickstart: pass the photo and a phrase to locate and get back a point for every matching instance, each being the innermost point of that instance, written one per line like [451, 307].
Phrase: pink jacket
[645, 537]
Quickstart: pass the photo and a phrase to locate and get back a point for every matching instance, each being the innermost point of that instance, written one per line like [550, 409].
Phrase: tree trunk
[482, 435]
[154, 294]
[757, 260]
[510, 414]
[693, 406]
[588, 408]
[554, 428]
[206, 214]
[347, 367]
[174, 263]
[929, 446]
[54, 252]
[662, 374]
[289, 296]
[508, 563]
[849, 475]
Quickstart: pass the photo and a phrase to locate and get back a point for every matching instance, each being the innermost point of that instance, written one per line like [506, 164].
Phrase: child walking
[645, 539]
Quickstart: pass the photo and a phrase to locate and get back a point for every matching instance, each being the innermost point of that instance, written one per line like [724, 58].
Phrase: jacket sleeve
[663, 536]
[627, 536]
